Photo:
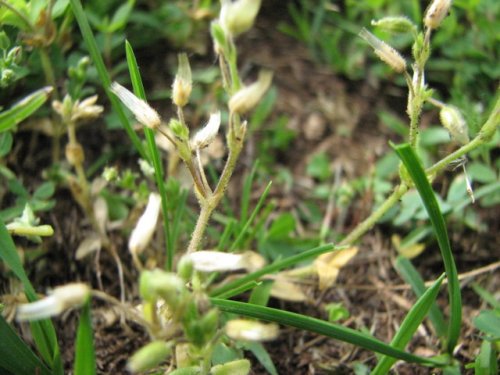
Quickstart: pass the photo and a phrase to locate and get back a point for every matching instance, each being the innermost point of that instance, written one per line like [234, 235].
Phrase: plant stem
[201, 224]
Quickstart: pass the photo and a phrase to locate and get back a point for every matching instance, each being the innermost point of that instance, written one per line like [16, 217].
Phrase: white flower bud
[237, 17]
[248, 97]
[453, 121]
[142, 111]
[181, 89]
[251, 330]
[218, 261]
[59, 300]
[143, 231]
[208, 133]
[386, 53]
[436, 12]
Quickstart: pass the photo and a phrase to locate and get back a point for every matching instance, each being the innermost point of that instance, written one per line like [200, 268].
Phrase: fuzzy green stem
[201, 224]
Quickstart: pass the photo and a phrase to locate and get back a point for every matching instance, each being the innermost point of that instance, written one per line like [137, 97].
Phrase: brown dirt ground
[321, 108]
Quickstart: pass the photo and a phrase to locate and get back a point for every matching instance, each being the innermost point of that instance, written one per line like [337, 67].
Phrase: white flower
[386, 53]
[216, 261]
[248, 97]
[142, 111]
[436, 12]
[60, 299]
[237, 17]
[208, 133]
[251, 330]
[143, 231]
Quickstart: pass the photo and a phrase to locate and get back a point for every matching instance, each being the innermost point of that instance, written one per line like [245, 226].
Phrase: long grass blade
[135, 77]
[321, 327]
[274, 267]
[85, 363]
[417, 174]
[411, 276]
[16, 356]
[43, 331]
[91, 44]
[410, 324]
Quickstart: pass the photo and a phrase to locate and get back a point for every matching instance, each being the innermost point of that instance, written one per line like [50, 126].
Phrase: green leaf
[488, 321]
[136, 79]
[85, 363]
[16, 356]
[43, 331]
[486, 361]
[409, 325]
[274, 267]
[6, 141]
[411, 276]
[262, 355]
[319, 326]
[23, 109]
[121, 16]
[416, 172]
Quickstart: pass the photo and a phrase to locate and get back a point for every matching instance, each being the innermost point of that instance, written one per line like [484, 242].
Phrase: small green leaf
[488, 322]
[16, 356]
[23, 109]
[85, 363]
[409, 325]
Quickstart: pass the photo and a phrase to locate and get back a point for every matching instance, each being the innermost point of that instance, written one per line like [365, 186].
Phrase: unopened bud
[142, 111]
[454, 122]
[398, 24]
[86, 109]
[251, 330]
[59, 300]
[180, 130]
[74, 154]
[207, 134]
[237, 17]
[160, 284]
[436, 12]
[218, 261]
[185, 268]
[386, 53]
[248, 97]
[149, 356]
[143, 231]
[237, 367]
[181, 89]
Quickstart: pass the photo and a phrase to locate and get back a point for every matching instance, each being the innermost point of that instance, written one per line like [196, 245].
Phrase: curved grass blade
[16, 356]
[23, 109]
[274, 267]
[254, 213]
[321, 327]
[135, 77]
[85, 363]
[91, 44]
[411, 276]
[43, 331]
[417, 174]
[409, 325]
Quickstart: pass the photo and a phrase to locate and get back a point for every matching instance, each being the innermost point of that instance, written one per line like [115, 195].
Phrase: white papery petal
[141, 110]
[145, 227]
[208, 133]
[216, 261]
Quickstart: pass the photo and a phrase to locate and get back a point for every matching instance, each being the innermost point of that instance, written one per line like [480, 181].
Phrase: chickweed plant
[194, 326]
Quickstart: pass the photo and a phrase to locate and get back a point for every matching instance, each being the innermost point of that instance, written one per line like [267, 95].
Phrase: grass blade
[321, 327]
[15, 355]
[43, 331]
[417, 173]
[410, 324]
[411, 276]
[153, 151]
[251, 218]
[91, 44]
[85, 363]
[23, 109]
[271, 268]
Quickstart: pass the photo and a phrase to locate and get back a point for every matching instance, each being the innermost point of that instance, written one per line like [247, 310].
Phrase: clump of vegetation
[191, 283]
